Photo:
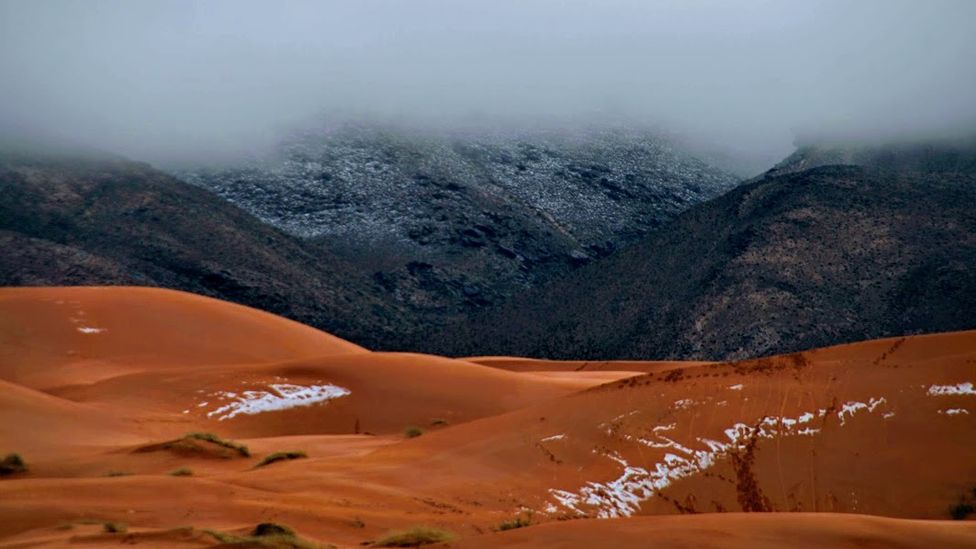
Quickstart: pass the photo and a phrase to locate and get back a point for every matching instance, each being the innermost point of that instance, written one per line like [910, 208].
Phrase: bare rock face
[448, 222]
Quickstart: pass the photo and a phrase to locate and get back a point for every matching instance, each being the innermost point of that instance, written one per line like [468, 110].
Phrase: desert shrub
[961, 510]
[414, 537]
[181, 472]
[272, 529]
[438, 422]
[214, 439]
[12, 464]
[517, 522]
[281, 456]
[266, 534]
[413, 432]
[115, 527]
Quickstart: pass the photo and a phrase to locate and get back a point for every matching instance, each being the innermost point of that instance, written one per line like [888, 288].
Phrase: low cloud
[182, 80]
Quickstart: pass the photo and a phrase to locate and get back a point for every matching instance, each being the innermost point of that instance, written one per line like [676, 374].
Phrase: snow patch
[90, 330]
[954, 411]
[965, 388]
[282, 396]
[622, 496]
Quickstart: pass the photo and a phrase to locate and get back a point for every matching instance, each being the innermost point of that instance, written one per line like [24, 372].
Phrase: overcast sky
[158, 79]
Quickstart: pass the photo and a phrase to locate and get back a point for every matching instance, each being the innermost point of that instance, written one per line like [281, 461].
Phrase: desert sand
[863, 444]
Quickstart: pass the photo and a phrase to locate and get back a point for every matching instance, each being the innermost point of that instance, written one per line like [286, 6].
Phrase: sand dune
[57, 336]
[881, 428]
[796, 530]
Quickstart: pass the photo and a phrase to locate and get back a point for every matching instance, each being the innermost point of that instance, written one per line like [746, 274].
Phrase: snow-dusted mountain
[447, 220]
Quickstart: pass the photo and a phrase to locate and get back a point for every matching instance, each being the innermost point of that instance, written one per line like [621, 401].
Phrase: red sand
[850, 429]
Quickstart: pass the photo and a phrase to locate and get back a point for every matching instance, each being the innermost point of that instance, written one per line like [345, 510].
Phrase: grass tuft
[413, 432]
[415, 537]
[281, 456]
[214, 439]
[517, 522]
[115, 527]
[12, 464]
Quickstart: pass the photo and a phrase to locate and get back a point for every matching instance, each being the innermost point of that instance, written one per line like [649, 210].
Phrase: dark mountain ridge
[97, 220]
[810, 254]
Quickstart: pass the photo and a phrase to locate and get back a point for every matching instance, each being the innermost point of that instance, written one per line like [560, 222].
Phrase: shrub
[961, 510]
[12, 464]
[281, 456]
[517, 522]
[115, 527]
[272, 529]
[438, 422]
[181, 472]
[413, 432]
[266, 534]
[414, 537]
[214, 439]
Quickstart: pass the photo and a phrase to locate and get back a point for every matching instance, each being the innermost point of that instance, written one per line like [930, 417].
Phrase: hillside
[87, 220]
[798, 258]
[450, 221]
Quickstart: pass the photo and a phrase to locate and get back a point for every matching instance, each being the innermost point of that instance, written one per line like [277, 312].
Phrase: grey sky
[157, 80]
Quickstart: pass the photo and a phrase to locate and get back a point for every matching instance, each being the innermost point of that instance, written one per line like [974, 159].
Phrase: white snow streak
[965, 388]
[954, 411]
[622, 496]
[282, 396]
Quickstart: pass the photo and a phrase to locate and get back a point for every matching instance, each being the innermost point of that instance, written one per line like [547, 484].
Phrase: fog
[177, 80]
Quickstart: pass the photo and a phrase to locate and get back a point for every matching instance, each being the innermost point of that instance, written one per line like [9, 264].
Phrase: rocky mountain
[810, 254]
[86, 220]
[451, 221]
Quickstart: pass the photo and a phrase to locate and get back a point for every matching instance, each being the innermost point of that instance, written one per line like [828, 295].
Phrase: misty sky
[162, 79]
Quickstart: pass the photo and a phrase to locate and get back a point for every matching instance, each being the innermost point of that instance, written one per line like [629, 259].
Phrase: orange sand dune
[55, 336]
[382, 393]
[882, 428]
[773, 531]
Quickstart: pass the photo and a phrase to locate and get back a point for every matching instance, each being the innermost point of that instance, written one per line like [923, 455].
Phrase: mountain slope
[68, 220]
[449, 221]
[793, 260]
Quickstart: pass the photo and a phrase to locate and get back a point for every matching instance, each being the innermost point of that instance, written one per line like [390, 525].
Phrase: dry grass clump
[12, 464]
[281, 456]
[517, 522]
[115, 527]
[214, 439]
[414, 537]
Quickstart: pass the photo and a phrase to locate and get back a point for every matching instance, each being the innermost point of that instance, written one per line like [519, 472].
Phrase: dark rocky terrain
[73, 220]
[451, 221]
[811, 254]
